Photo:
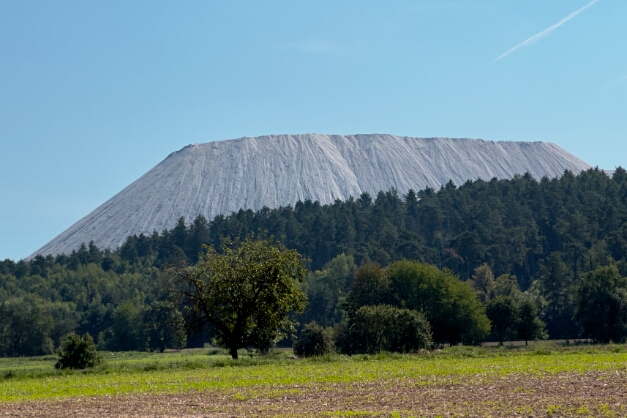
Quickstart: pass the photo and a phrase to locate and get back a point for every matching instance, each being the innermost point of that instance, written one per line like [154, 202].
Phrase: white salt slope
[222, 177]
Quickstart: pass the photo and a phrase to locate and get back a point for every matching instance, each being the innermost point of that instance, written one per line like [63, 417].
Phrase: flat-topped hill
[278, 170]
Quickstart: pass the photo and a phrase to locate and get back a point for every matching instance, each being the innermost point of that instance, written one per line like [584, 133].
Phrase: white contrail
[538, 36]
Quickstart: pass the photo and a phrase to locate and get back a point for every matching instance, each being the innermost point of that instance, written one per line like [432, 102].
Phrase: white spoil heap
[278, 170]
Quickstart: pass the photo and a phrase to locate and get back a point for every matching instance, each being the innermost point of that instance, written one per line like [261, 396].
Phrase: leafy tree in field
[530, 327]
[450, 306]
[165, 326]
[503, 316]
[245, 292]
[78, 353]
[384, 328]
[314, 340]
[601, 301]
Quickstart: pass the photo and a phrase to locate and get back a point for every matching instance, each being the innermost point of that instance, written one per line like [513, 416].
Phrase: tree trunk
[233, 351]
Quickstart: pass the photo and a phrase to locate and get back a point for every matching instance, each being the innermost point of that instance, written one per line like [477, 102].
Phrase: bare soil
[590, 394]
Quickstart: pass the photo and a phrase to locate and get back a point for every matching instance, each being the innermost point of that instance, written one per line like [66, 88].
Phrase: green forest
[553, 251]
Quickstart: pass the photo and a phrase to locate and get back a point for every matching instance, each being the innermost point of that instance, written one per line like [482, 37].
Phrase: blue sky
[94, 94]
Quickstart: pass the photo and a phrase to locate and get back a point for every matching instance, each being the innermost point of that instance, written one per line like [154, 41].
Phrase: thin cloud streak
[535, 38]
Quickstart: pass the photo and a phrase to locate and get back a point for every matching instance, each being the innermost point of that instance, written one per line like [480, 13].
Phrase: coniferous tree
[547, 233]
[556, 283]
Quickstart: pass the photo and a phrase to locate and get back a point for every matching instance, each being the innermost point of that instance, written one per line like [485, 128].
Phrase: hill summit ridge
[279, 170]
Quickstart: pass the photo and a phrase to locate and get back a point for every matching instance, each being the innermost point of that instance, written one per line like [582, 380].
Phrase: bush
[451, 306]
[314, 340]
[383, 328]
[77, 353]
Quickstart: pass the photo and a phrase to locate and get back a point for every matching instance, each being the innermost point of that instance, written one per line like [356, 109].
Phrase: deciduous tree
[246, 292]
[164, 326]
[503, 315]
[601, 308]
[450, 305]
[530, 327]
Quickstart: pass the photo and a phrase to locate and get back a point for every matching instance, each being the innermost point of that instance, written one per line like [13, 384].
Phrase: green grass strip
[283, 372]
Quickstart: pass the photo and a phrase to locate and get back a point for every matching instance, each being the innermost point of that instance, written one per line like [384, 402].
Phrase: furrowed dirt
[568, 394]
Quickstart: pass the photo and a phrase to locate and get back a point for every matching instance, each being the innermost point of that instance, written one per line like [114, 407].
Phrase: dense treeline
[543, 236]
[513, 225]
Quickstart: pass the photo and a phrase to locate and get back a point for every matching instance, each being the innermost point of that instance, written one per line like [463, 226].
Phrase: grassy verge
[200, 370]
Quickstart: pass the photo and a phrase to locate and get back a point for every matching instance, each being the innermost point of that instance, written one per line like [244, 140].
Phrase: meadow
[543, 379]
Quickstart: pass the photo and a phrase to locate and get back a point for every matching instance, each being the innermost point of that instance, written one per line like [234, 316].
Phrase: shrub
[383, 328]
[77, 353]
[410, 332]
[451, 306]
[314, 340]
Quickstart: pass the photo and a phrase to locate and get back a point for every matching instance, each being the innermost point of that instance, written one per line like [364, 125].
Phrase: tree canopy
[245, 292]
[602, 305]
[450, 305]
[540, 236]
